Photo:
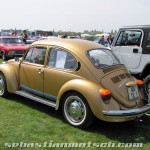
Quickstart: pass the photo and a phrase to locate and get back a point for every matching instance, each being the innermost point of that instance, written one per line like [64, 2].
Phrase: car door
[60, 68]
[32, 70]
[127, 47]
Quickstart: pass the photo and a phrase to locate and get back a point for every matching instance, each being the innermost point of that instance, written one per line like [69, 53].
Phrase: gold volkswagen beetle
[81, 77]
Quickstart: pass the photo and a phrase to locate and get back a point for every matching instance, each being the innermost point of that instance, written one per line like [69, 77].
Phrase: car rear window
[102, 58]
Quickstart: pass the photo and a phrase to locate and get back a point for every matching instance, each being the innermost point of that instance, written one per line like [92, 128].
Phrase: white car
[132, 47]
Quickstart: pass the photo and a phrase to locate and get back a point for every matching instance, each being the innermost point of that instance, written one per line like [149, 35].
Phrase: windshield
[12, 41]
[102, 58]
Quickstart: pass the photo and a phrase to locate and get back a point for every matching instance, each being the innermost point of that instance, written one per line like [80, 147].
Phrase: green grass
[23, 120]
[1, 61]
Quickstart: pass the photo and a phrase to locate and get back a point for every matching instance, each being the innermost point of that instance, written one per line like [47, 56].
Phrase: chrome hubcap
[1, 86]
[75, 109]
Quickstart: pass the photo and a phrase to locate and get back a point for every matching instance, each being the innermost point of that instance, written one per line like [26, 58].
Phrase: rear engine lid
[123, 87]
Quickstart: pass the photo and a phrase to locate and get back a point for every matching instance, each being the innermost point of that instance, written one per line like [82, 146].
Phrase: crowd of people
[104, 40]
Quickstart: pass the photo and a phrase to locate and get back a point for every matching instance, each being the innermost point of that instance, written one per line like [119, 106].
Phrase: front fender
[88, 89]
[11, 80]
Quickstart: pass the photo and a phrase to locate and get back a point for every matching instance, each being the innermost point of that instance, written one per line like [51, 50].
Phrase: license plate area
[133, 92]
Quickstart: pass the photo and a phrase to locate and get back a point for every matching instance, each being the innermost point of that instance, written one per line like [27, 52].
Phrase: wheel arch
[2, 51]
[65, 94]
[87, 89]
[11, 80]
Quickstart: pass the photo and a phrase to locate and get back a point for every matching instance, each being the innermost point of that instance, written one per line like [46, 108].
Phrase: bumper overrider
[127, 113]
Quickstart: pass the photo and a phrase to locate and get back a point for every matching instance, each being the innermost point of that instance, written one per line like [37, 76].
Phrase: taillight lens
[140, 84]
[105, 94]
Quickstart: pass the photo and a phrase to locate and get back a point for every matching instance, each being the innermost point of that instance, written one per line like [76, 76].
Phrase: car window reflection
[61, 59]
[36, 55]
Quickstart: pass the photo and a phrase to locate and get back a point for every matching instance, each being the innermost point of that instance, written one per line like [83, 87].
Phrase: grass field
[22, 120]
[1, 61]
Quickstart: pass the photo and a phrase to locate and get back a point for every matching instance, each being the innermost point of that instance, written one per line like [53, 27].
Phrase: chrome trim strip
[127, 113]
[42, 94]
[36, 98]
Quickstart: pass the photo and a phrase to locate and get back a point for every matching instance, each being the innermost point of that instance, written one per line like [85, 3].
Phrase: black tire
[147, 86]
[3, 56]
[76, 111]
[3, 86]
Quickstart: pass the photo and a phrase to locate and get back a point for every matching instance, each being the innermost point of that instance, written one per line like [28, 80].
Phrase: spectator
[102, 40]
[24, 36]
[110, 39]
[13, 34]
[79, 36]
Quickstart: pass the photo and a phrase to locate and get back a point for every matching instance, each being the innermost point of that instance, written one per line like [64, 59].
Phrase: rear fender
[88, 89]
[11, 80]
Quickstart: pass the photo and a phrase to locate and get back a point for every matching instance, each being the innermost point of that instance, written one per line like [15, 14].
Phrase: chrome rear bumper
[127, 113]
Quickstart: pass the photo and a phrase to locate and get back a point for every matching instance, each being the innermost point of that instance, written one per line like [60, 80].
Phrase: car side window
[59, 58]
[118, 42]
[129, 38]
[36, 55]
[28, 55]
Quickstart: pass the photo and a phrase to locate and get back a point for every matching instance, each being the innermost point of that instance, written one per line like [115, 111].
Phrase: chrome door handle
[40, 71]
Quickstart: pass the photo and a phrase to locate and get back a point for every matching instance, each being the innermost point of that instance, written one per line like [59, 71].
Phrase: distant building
[10, 31]
[41, 32]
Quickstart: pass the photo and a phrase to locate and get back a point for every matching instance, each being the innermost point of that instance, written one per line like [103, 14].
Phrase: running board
[36, 98]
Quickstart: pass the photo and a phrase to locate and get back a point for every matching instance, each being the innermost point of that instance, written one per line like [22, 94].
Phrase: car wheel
[147, 85]
[76, 111]
[3, 56]
[3, 86]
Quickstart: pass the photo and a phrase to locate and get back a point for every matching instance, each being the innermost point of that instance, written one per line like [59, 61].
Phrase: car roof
[136, 27]
[71, 44]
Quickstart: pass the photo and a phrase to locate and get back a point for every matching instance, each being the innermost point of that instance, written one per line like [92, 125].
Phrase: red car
[11, 47]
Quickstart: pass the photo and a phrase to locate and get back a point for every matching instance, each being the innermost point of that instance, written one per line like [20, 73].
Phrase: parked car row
[82, 78]
[11, 47]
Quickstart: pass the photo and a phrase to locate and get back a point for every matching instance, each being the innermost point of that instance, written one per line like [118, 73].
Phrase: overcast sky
[73, 15]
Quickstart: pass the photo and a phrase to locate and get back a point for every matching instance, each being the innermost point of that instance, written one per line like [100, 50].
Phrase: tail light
[140, 84]
[105, 94]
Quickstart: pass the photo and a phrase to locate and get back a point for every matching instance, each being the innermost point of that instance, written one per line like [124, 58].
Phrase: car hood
[14, 46]
[119, 82]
